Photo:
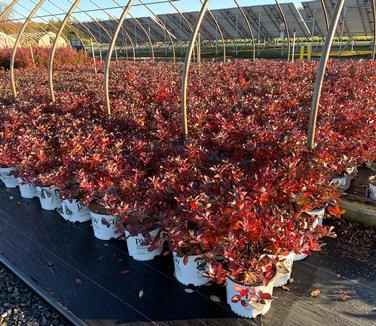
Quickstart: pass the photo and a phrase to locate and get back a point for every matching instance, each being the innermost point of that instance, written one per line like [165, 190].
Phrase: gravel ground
[20, 306]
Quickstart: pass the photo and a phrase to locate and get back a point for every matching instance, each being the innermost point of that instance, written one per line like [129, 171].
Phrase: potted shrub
[105, 225]
[74, 211]
[11, 121]
[7, 169]
[8, 177]
[144, 235]
[27, 189]
[189, 245]
[191, 240]
[344, 182]
[49, 198]
[250, 293]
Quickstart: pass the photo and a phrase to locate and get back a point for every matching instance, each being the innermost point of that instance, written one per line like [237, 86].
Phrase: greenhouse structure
[175, 162]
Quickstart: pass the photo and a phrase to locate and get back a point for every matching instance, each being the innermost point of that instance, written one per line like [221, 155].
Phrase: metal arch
[53, 51]
[181, 15]
[219, 30]
[161, 24]
[33, 31]
[374, 28]
[81, 24]
[21, 15]
[109, 55]
[99, 24]
[286, 28]
[12, 76]
[147, 35]
[187, 64]
[142, 28]
[45, 20]
[8, 9]
[315, 24]
[125, 32]
[321, 72]
[68, 25]
[10, 30]
[130, 41]
[325, 14]
[250, 29]
[257, 22]
[187, 22]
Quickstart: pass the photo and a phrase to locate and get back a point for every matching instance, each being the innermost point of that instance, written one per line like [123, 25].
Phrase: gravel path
[21, 307]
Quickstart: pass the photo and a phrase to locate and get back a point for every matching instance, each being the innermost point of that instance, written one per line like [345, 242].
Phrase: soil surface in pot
[99, 209]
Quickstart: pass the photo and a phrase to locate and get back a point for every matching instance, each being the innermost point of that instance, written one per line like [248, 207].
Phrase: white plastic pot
[192, 272]
[300, 257]
[104, 226]
[254, 309]
[372, 192]
[319, 213]
[343, 183]
[73, 211]
[27, 190]
[284, 270]
[138, 246]
[8, 178]
[49, 198]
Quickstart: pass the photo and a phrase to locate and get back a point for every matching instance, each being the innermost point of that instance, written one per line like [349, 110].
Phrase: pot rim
[256, 284]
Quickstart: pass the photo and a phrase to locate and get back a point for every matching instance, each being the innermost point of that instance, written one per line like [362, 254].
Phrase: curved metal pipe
[143, 29]
[286, 28]
[187, 22]
[81, 24]
[325, 14]
[34, 35]
[374, 28]
[125, 32]
[54, 47]
[187, 64]
[219, 30]
[100, 26]
[72, 29]
[147, 35]
[7, 9]
[321, 72]
[250, 30]
[161, 24]
[109, 55]
[19, 36]
[132, 44]
[25, 44]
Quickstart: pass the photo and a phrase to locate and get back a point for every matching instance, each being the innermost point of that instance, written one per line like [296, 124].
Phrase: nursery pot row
[6, 175]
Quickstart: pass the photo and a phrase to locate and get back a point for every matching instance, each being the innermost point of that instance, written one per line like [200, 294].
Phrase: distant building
[48, 39]
[45, 39]
[6, 41]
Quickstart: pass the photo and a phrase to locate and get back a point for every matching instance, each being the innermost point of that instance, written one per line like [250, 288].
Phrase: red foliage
[238, 189]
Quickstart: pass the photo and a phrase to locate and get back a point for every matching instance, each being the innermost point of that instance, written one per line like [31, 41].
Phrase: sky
[59, 6]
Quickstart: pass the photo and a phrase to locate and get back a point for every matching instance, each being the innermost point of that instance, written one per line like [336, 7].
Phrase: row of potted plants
[237, 200]
[249, 296]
